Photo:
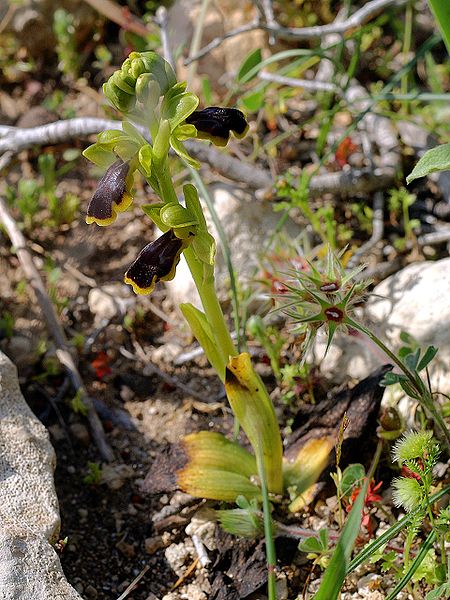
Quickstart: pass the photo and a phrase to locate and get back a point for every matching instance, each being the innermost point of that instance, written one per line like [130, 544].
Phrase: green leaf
[202, 331]
[430, 353]
[411, 360]
[253, 101]
[425, 547]
[436, 159]
[184, 132]
[352, 475]
[334, 575]
[109, 138]
[311, 544]
[391, 379]
[249, 63]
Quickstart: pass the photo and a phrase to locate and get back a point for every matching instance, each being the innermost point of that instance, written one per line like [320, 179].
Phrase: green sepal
[148, 90]
[109, 138]
[99, 156]
[178, 105]
[184, 132]
[123, 82]
[174, 215]
[201, 329]
[161, 142]
[126, 149]
[153, 211]
[183, 153]
[193, 204]
[145, 159]
[204, 247]
[119, 99]
[133, 133]
[150, 62]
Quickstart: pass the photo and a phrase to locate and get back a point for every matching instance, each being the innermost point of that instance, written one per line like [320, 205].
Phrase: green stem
[407, 43]
[268, 530]
[203, 279]
[423, 395]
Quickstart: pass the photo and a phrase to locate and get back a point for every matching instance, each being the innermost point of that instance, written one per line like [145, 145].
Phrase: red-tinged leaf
[100, 364]
[344, 150]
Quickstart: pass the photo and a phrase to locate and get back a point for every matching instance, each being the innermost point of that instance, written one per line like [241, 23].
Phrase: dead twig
[133, 584]
[377, 230]
[358, 18]
[161, 19]
[307, 84]
[54, 326]
[349, 182]
[121, 16]
[172, 381]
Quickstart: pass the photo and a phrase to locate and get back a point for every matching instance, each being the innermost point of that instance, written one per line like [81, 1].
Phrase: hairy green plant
[66, 47]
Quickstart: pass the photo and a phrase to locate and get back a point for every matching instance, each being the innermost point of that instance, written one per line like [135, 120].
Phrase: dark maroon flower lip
[215, 124]
[111, 196]
[156, 261]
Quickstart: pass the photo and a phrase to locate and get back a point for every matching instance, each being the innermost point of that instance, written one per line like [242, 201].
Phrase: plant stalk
[424, 395]
[268, 530]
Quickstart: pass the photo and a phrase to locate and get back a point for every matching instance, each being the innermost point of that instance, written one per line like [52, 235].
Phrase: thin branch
[307, 84]
[172, 381]
[120, 15]
[255, 24]
[435, 237]
[267, 10]
[162, 19]
[358, 18]
[349, 182]
[377, 230]
[54, 326]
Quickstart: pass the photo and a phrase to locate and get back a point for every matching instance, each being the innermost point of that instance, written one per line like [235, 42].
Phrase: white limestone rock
[29, 517]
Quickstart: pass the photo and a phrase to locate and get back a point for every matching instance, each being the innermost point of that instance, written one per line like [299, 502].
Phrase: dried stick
[358, 18]
[54, 326]
[307, 84]
[256, 178]
[120, 15]
[377, 230]
[162, 19]
[172, 381]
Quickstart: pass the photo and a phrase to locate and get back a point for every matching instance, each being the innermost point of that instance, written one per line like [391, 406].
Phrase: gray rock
[29, 518]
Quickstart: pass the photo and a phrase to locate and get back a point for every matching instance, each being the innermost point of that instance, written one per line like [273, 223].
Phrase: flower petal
[156, 261]
[111, 196]
[215, 124]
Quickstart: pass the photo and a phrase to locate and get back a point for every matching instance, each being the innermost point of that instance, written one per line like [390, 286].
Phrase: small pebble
[80, 433]
[127, 550]
[91, 592]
